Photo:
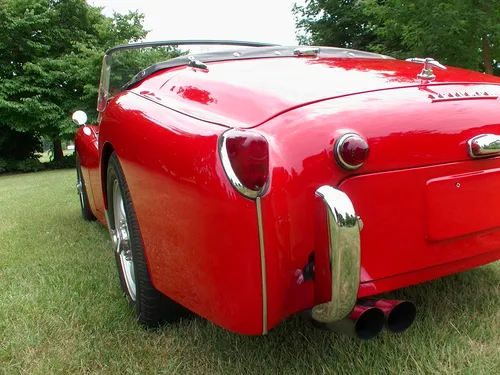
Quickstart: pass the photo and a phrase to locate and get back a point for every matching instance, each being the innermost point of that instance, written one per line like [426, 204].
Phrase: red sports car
[259, 181]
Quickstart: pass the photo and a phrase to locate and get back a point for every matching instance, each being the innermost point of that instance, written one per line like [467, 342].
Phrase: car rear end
[375, 191]
[359, 176]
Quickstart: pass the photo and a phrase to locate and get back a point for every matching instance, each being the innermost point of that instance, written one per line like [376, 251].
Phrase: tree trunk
[58, 152]
[487, 61]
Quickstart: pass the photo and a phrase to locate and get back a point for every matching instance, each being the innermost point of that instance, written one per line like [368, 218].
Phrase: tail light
[245, 157]
[351, 151]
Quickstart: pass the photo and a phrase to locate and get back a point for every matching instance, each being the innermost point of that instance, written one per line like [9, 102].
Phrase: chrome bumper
[337, 255]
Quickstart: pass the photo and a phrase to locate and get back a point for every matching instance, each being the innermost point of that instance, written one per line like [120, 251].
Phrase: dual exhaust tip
[370, 316]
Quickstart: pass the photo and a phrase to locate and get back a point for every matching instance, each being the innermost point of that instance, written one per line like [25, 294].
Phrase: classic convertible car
[259, 181]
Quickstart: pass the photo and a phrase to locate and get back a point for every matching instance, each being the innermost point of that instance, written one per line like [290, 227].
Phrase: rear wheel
[82, 193]
[151, 307]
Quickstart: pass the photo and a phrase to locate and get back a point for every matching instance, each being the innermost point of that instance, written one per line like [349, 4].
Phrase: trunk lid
[246, 93]
[405, 128]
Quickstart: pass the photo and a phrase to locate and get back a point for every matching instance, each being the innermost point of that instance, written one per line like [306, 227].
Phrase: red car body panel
[417, 193]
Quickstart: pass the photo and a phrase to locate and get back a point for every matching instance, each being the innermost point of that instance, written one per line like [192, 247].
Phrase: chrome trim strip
[485, 145]
[262, 265]
[344, 255]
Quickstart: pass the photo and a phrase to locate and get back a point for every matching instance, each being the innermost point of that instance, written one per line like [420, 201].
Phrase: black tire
[82, 193]
[151, 307]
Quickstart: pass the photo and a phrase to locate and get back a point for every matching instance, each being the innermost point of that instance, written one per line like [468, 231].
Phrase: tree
[463, 33]
[50, 56]
[339, 23]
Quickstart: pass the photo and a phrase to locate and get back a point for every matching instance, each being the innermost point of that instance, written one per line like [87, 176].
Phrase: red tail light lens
[351, 151]
[245, 156]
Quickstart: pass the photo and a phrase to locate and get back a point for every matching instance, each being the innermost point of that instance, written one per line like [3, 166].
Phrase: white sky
[252, 20]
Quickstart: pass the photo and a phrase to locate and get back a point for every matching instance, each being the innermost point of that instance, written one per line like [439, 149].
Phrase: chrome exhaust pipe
[399, 315]
[364, 322]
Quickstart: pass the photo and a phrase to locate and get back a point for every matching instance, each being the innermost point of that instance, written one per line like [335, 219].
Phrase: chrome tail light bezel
[338, 154]
[229, 171]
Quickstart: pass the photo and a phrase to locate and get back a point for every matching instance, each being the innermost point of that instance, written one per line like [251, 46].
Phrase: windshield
[119, 68]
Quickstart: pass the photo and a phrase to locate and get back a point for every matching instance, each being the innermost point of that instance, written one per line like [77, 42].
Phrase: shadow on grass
[449, 309]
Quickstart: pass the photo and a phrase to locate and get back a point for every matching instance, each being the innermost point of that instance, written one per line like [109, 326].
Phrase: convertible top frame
[166, 43]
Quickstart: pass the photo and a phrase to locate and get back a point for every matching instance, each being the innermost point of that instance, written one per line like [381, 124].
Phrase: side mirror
[79, 118]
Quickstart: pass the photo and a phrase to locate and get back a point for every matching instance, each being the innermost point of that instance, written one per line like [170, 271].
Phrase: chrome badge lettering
[462, 96]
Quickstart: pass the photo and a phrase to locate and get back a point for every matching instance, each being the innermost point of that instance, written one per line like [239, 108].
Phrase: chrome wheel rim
[121, 240]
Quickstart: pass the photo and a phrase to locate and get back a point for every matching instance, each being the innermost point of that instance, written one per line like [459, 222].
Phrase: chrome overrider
[335, 209]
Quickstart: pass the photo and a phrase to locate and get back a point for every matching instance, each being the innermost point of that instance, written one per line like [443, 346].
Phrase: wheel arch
[107, 150]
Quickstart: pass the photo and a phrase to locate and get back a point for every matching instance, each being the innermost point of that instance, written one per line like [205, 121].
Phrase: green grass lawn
[61, 311]
[44, 156]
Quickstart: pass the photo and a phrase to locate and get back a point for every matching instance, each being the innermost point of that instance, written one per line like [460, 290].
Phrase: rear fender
[86, 140]
[86, 145]
[200, 236]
